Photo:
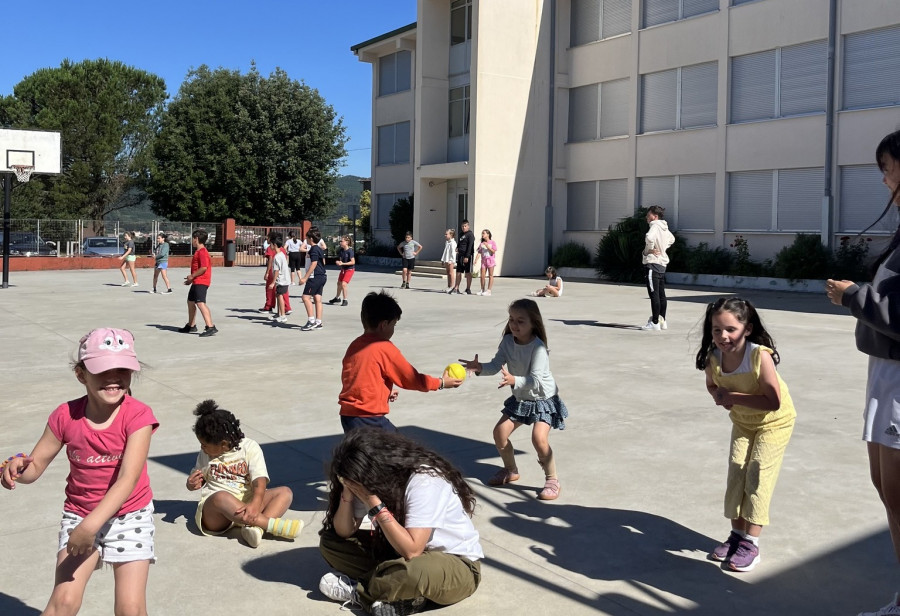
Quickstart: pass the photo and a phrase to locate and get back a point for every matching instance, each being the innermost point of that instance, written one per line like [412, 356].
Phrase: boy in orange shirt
[373, 365]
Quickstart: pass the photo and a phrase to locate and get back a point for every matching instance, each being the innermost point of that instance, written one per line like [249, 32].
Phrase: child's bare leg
[552, 291]
[122, 269]
[743, 526]
[491, 279]
[319, 307]
[481, 278]
[275, 504]
[219, 512]
[279, 299]
[337, 292]
[192, 312]
[307, 302]
[884, 468]
[204, 312]
[72, 575]
[155, 276]
[165, 279]
[133, 271]
[344, 284]
[502, 431]
[131, 588]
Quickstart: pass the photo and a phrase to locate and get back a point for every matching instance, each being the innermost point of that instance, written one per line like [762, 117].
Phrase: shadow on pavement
[12, 606]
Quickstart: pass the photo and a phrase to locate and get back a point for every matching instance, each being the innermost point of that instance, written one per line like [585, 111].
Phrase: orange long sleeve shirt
[371, 368]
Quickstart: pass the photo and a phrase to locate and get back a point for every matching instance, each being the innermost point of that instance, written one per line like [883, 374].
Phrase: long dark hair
[889, 146]
[383, 462]
[530, 308]
[744, 312]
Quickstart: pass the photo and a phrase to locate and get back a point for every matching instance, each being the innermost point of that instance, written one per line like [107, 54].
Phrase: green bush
[807, 257]
[618, 255]
[377, 249]
[851, 259]
[401, 219]
[571, 254]
[701, 259]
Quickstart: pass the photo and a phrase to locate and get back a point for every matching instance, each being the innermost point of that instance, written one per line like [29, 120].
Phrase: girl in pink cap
[108, 511]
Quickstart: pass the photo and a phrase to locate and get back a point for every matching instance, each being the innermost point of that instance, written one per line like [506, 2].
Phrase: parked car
[102, 247]
[25, 244]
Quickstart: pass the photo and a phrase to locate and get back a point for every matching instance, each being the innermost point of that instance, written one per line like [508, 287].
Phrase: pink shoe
[551, 489]
[503, 476]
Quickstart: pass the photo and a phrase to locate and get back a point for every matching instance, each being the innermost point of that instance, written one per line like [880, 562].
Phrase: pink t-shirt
[96, 455]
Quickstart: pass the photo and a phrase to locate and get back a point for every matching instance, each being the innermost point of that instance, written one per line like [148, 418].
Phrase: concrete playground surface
[642, 461]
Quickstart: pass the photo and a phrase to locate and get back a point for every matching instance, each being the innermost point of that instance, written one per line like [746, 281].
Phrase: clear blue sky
[309, 39]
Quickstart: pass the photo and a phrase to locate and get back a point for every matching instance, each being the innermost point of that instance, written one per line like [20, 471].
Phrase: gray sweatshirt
[876, 307]
[531, 360]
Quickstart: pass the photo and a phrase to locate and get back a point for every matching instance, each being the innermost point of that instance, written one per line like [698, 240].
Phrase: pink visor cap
[108, 349]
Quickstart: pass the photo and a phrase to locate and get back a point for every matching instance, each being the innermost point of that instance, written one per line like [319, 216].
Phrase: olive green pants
[384, 576]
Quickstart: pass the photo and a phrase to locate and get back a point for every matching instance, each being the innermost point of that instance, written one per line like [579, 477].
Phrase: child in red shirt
[199, 279]
[372, 365]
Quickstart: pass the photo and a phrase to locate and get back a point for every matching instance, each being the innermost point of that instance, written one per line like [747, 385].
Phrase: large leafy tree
[108, 113]
[261, 150]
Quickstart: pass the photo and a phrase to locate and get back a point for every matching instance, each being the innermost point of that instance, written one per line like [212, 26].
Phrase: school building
[546, 121]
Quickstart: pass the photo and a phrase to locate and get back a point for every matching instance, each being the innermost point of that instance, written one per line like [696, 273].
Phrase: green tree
[401, 218]
[365, 214]
[262, 150]
[108, 114]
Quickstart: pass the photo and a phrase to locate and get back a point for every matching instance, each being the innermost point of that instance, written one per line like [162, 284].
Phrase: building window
[870, 60]
[598, 111]
[689, 199]
[595, 20]
[737, 2]
[594, 206]
[459, 111]
[384, 202]
[657, 12]
[679, 98]
[460, 21]
[863, 198]
[393, 144]
[778, 200]
[394, 73]
[780, 82]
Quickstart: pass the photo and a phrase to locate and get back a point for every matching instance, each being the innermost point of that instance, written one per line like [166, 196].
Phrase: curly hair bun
[206, 407]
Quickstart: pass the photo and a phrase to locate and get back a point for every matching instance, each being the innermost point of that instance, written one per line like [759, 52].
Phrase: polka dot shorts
[122, 539]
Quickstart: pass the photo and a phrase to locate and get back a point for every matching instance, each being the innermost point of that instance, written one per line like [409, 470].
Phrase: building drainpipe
[548, 210]
[827, 197]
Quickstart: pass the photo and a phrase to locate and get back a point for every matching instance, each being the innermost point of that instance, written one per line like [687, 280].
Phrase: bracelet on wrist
[441, 386]
[10, 459]
[374, 511]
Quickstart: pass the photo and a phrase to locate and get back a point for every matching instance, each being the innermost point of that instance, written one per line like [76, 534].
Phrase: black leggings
[656, 288]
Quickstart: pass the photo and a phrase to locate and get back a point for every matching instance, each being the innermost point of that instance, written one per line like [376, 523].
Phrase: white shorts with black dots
[122, 539]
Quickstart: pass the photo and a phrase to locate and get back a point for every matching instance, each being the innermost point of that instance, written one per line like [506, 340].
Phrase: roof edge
[355, 48]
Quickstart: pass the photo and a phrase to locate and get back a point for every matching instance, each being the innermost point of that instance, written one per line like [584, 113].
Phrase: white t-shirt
[292, 245]
[432, 503]
[233, 471]
[281, 270]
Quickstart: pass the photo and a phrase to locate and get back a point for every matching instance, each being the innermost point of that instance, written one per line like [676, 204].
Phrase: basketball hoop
[23, 172]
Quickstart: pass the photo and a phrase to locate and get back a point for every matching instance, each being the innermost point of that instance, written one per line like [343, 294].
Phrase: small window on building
[657, 12]
[460, 21]
[863, 198]
[779, 200]
[459, 111]
[661, 107]
[581, 206]
[393, 144]
[595, 20]
[871, 61]
[384, 202]
[394, 73]
[689, 199]
[599, 111]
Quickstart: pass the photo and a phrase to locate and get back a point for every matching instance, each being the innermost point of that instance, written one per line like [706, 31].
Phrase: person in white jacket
[654, 257]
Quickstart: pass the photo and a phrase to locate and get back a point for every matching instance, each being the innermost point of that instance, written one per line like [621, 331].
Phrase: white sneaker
[891, 609]
[338, 588]
[135, 284]
[280, 319]
[662, 323]
[488, 292]
[125, 284]
[252, 535]
[651, 326]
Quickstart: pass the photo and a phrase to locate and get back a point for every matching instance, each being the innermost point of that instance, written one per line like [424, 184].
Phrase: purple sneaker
[724, 551]
[745, 557]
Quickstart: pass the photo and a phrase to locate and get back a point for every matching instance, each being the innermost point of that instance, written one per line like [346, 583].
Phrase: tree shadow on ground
[14, 607]
[815, 303]
[593, 323]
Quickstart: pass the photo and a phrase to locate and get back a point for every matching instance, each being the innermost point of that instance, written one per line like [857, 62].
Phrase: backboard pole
[7, 189]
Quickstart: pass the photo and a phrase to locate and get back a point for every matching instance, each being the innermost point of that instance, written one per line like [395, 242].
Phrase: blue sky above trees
[309, 39]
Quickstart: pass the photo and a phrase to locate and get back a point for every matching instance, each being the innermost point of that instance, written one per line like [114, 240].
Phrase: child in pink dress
[486, 251]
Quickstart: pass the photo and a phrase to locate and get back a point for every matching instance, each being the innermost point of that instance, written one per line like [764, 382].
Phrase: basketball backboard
[36, 148]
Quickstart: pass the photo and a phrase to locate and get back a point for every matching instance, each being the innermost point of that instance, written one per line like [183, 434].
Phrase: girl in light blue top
[534, 400]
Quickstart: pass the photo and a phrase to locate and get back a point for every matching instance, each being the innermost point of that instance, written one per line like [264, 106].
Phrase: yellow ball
[456, 371]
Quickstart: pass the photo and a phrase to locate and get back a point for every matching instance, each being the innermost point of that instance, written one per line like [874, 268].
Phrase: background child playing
[486, 251]
[161, 259]
[554, 286]
[739, 358]
[534, 400]
[108, 511]
[409, 249]
[231, 475]
[373, 365]
[314, 279]
[269, 275]
[128, 259]
[280, 280]
[448, 258]
[346, 260]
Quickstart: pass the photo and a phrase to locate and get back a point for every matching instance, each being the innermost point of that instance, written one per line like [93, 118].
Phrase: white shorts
[122, 539]
[882, 412]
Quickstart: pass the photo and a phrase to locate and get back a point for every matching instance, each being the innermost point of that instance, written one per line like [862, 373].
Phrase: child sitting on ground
[231, 474]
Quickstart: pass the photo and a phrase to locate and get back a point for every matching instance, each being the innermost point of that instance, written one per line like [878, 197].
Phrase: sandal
[503, 476]
[551, 489]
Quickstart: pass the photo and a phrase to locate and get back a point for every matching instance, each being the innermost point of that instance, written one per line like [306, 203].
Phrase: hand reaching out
[472, 365]
[506, 378]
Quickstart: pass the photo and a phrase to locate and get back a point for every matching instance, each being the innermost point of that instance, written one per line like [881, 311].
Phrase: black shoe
[336, 300]
[468, 291]
[168, 290]
[344, 303]
[188, 329]
[209, 331]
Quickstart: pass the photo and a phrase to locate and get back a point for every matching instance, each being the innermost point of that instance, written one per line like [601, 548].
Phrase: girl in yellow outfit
[739, 358]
